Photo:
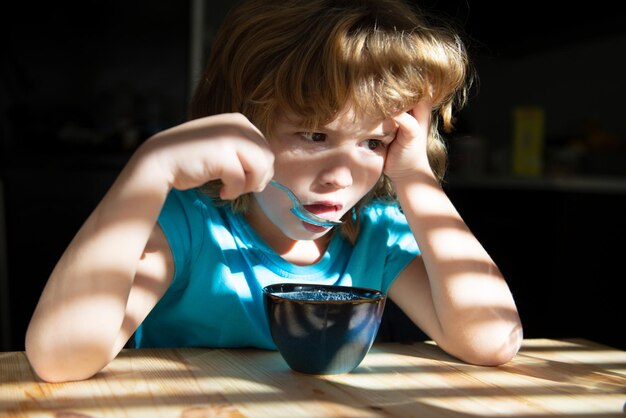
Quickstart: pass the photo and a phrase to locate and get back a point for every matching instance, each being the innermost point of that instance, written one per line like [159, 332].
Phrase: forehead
[346, 121]
[349, 120]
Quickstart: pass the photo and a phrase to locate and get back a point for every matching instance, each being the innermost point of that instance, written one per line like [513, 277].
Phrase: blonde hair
[310, 58]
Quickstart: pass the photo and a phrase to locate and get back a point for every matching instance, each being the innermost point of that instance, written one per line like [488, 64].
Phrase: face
[329, 169]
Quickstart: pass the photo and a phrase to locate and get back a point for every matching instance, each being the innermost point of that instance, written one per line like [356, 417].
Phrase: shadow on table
[420, 380]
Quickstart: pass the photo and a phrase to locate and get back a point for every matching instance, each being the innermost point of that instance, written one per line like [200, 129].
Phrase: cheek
[372, 170]
[286, 158]
[269, 200]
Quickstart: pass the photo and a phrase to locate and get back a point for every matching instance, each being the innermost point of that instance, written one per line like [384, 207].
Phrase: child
[341, 102]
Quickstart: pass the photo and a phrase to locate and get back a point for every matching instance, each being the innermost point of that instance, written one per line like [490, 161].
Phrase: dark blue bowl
[321, 329]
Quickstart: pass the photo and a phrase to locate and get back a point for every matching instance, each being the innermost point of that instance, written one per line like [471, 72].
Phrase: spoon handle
[301, 212]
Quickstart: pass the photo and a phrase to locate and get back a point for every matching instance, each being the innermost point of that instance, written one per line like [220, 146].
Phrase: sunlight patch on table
[227, 385]
[581, 405]
[311, 407]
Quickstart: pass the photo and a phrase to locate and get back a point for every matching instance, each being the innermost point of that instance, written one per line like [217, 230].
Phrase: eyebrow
[385, 134]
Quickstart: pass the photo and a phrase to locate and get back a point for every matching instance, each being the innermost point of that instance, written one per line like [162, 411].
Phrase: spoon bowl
[301, 212]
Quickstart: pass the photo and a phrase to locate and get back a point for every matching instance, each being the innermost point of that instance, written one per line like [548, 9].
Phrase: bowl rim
[378, 295]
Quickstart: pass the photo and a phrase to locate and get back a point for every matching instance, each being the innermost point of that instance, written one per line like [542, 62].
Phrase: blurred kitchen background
[537, 163]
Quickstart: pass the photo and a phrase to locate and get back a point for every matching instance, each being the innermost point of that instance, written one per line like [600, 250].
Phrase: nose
[337, 172]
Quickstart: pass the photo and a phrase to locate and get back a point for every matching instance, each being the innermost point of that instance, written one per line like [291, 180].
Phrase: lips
[325, 210]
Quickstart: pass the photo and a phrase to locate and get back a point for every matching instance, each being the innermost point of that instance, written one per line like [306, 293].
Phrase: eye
[374, 144]
[313, 136]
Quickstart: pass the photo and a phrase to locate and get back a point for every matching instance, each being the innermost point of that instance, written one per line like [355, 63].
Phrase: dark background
[84, 83]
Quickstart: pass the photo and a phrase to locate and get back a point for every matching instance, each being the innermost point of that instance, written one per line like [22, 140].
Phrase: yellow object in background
[528, 140]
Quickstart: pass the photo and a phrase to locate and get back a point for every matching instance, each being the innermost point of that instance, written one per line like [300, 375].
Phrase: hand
[226, 147]
[407, 153]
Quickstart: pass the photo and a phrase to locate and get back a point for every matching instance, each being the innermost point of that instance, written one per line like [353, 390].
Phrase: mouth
[326, 210]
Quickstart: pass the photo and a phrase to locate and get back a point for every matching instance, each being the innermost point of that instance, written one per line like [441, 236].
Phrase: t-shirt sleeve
[176, 219]
[401, 246]
[384, 247]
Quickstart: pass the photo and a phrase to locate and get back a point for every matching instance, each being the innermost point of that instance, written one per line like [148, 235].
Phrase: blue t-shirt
[221, 266]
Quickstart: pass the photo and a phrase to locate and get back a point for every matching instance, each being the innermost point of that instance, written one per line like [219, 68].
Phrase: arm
[453, 290]
[119, 264]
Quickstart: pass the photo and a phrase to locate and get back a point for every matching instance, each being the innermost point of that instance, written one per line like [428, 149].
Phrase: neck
[304, 253]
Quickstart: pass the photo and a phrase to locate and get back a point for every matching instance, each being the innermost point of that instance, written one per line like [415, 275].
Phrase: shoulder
[192, 197]
[187, 217]
[381, 212]
[384, 221]
[189, 204]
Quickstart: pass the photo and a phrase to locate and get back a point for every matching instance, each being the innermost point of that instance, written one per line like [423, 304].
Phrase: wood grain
[568, 378]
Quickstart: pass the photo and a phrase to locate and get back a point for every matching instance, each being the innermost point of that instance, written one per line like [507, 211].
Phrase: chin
[299, 232]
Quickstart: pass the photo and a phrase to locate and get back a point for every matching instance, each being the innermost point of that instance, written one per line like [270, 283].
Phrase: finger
[258, 164]
[408, 128]
[233, 178]
[422, 113]
[269, 175]
[413, 124]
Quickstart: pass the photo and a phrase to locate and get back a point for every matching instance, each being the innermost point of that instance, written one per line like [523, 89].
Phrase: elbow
[47, 369]
[52, 373]
[54, 363]
[495, 356]
[496, 350]
[489, 349]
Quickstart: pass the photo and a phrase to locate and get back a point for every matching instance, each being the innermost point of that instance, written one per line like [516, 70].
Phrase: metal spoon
[301, 212]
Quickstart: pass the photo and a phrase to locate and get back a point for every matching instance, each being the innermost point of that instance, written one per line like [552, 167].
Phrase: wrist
[150, 167]
[422, 173]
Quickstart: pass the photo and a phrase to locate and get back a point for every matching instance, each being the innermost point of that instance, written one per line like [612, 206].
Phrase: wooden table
[575, 378]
